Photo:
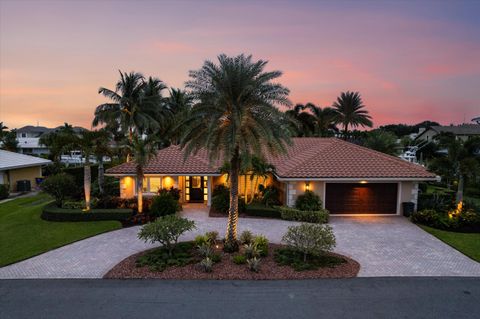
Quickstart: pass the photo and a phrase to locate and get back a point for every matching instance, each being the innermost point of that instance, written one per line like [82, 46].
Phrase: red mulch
[227, 270]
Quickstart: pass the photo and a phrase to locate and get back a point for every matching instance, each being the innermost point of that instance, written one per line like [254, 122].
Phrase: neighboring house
[463, 131]
[16, 167]
[28, 137]
[350, 179]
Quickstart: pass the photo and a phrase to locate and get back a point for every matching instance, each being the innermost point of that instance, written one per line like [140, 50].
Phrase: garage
[358, 198]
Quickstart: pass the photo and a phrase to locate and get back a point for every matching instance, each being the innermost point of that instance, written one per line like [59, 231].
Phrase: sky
[410, 60]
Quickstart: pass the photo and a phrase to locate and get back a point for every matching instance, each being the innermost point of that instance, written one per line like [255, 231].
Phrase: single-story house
[461, 132]
[16, 167]
[349, 179]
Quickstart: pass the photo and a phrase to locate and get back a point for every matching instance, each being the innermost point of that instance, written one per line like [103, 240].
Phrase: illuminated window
[151, 184]
[196, 182]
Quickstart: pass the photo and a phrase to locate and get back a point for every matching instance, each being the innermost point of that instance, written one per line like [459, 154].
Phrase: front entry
[194, 187]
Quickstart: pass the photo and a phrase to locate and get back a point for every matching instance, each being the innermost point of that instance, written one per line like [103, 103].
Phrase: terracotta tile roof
[306, 158]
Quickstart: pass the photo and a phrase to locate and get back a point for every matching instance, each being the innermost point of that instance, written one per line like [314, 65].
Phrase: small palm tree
[302, 122]
[351, 111]
[235, 118]
[323, 120]
[143, 149]
[259, 169]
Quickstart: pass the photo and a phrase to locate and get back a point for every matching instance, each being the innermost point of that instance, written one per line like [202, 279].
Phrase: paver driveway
[384, 246]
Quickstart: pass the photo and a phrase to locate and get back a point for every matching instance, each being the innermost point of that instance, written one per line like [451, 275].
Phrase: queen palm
[351, 111]
[323, 119]
[235, 118]
[302, 122]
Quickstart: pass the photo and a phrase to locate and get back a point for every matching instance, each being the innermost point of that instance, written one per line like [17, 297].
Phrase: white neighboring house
[16, 167]
[28, 139]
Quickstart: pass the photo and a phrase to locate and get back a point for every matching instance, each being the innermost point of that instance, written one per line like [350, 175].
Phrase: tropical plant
[8, 141]
[179, 103]
[382, 141]
[259, 168]
[301, 122]
[166, 230]
[350, 111]
[462, 160]
[59, 141]
[101, 148]
[310, 239]
[251, 250]
[235, 117]
[206, 264]
[261, 242]
[323, 120]
[246, 237]
[205, 250]
[254, 264]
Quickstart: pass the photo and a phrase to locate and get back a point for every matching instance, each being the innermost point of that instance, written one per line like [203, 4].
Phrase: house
[349, 179]
[463, 131]
[28, 139]
[15, 167]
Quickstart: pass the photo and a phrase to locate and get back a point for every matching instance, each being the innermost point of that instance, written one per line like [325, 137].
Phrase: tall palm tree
[102, 148]
[143, 149]
[323, 120]
[136, 105]
[236, 118]
[351, 111]
[179, 103]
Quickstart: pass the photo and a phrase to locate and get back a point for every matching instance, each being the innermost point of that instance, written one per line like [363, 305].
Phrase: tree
[323, 120]
[101, 148]
[9, 141]
[301, 122]
[351, 111]
[382, 141]
[59, 141]
[235, 118]
[462, 159]
[179, 103]
[259, 169]
[143, 149]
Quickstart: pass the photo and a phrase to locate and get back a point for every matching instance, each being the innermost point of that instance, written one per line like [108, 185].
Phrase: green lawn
[466, 243]
[24, 234]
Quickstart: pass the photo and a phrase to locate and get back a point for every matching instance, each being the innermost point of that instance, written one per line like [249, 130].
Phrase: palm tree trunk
[345, 132]
[140, 189]
[252, 188]
[87, 181]
[231, 235]
[461, 185]
[101, 175]
[245, 188]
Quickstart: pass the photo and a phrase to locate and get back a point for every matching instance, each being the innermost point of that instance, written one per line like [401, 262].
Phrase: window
[152, 184]
[196, 181]
[24, 134]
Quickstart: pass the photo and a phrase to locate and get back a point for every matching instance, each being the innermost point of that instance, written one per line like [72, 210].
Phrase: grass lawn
[466, 243]
[24, 234]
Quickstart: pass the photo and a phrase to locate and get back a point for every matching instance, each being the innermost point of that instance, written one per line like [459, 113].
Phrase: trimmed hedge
[467, 221]
[262, 211]
[54, 213]
[320, 216]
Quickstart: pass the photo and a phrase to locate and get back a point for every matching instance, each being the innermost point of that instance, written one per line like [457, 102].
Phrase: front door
[196, 188]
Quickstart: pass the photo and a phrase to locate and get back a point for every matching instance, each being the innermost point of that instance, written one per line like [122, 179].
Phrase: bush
[320, 216]
[212, 237]
[270, 196]
[467, 221]
[436, 201]
[53, 213]
[422, 187]
[261, 210]
[206, 264]
[251, 250]
[246, 237]
[174, 192]
[221, 200]
[164, 204]
[166, 230]
[205, 250]
[310, 239]
[427, 217]
[4, 191]
[254, 264]
[261, 242]
[74, 204]
[308, 201]
[133, 203]
[239, 259]
[159, 259]
[60, 186]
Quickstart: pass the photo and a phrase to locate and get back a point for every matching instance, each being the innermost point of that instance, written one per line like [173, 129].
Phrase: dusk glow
[411, 62]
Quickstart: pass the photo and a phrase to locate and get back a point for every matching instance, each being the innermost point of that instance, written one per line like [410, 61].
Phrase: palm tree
[302, 122]
[259, 169]
[101, 148]
[137, 106]
[143, 149]
[382, 141]
[351, 111]
[462, 159]
[323, 120]
[236, 118]
[179, 103]
[59, 141]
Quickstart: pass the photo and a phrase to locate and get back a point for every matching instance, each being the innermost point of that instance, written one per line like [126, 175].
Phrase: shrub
[221, 200]
[260, 210]
[205, 250]
[294, 259]
[310, 239]
[4, 191]
[320, 216]
[467, 221]
[212, 237]
[174, 192]
[133, 203]
[159, 259]
[206, 265]
[246, 237]
[60, 186]
[261, 242]
[230, 247]
[270, 196]
[164, 204]
[53, 213]
[254, 264]
[74, 204]
[308, 201]
[436, 201]
[239, 259]
[251, 250]
[427, 217]
[201, 240]
[216, 258]
[166, 230]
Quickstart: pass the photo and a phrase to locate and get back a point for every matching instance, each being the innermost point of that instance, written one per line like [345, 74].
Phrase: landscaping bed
[53, 213]
[226, 269]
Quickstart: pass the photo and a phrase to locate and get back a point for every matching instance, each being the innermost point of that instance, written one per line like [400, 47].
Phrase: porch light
[363, 182]
[307, 186]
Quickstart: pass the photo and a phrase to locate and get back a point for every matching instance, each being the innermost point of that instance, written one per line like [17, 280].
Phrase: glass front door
[195, 188]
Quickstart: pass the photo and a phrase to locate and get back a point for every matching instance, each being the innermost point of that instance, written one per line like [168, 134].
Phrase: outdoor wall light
[363, 182]
[307, 186]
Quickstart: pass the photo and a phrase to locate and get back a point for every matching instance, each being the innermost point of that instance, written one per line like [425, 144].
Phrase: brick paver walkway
[384, 246]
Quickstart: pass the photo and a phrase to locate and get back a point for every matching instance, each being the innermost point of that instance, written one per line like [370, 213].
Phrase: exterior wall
[409, 193]
[298, 188]
[27, 173]
[127, 187]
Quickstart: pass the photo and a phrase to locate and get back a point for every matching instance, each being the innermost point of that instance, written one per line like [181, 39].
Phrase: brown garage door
[354, 198]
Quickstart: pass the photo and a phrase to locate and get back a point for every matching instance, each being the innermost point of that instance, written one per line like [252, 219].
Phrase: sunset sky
[410, 60]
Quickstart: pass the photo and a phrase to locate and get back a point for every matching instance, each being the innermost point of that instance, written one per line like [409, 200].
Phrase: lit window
[196, 182]
[154, 184]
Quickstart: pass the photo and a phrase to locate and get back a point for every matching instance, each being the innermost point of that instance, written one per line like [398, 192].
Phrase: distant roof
[463, 129]
[306, 158]
[33, 129]
[11, 160]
